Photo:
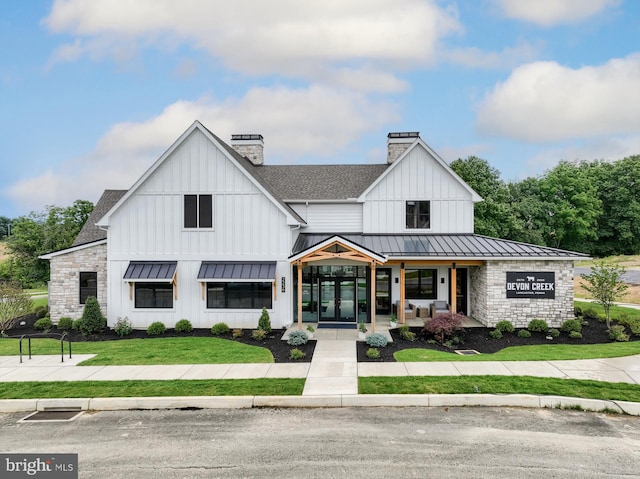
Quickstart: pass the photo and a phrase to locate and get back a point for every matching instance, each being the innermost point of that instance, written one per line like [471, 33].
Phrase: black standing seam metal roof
[228, 270]
[438, 245]
[150, 270]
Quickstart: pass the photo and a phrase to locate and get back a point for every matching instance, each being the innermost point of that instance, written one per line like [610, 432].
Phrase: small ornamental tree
[264, 322]
[13, 304]
[605, 285]
[93, 322]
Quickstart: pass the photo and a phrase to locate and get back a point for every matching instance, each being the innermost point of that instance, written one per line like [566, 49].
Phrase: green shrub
[297, 338]
[444, 326]
[295, 353]
[590, 313]
[575, 334]
[373, 353]
[407, 335]
[77, 325]
[632, 323]
[584, 323]
[617, 333]
[237, 333]
[496, 334]
[553, 332]
[156, 328]
[43, 324]
[183, 326]
[523, 333]
[377, 340]
[219, 329]
[264, 322]
[93, 322]
[504, 326]
[123, 327]
[577, 311]
[258, 334]
[538, 326]
[40, 312]
[65, 323]
[571, 325]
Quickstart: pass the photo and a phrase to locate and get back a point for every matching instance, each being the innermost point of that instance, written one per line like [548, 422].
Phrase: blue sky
[92, 92]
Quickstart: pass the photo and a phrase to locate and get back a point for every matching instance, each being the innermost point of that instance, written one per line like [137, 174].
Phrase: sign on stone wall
[528, 284]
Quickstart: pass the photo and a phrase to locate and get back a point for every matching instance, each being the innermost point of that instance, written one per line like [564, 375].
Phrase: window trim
[200, 206]
[434, 274]
[267, 285]
[416, 215]
[80, 288]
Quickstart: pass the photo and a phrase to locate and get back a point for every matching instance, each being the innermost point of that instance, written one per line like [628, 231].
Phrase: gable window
[154, 295]
[234, 295]
[420, 283]
[198, 211]
[418, 214]
[88, 285]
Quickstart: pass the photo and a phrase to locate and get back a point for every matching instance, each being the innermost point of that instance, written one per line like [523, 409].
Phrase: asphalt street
[631, 276]
[338, 443]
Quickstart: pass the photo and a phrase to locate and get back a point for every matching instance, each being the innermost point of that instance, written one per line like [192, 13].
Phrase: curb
[328, 401]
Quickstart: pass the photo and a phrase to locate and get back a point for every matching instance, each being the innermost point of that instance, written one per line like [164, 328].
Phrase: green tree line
[38, 233]
[587, 206]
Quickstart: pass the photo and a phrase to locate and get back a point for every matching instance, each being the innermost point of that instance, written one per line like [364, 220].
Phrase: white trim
[475, 197]
[72, 249]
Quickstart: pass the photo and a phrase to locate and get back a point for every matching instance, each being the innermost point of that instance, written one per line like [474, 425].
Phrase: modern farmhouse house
[212, 232]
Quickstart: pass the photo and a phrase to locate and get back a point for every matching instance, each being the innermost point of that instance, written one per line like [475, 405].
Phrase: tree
[13, 304]
[606, 285]
[44, 232]
[92, 321]
[4, 227]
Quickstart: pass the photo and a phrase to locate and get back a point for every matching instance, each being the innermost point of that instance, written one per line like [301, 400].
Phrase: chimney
[398, 143]
[250, 146]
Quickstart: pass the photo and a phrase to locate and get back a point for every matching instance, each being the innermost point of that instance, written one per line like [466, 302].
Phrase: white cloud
[509, 57]
[553, 12]
[546, 102]
[314, 121]
[453, 153]
[299, 39]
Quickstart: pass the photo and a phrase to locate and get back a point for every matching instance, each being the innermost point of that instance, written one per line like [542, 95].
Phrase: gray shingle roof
[319, 182]
[90, 232]
[439, 245]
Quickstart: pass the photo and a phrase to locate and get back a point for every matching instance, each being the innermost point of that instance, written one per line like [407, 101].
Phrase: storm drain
[53, 415]
[466, 352]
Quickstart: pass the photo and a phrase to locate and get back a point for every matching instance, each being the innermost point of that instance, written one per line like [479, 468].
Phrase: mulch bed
[478, 339]
[279, 348]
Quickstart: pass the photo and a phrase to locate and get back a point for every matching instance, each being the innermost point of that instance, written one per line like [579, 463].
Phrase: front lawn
[499, 385]
[93, 389]
[149, 351]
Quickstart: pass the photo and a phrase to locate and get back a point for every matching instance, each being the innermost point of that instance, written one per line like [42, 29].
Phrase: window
[88, 286]
[198, 211]
[418, 214]
[154, 295]
[420, 283]
[239, 295]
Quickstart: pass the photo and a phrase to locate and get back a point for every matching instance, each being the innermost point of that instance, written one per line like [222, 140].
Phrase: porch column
[454, 295]
[373, 296]
[299, 264]
[402, 299]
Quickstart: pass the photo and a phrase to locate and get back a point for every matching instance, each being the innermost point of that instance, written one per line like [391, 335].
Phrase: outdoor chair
[409, 310]
[438, 307]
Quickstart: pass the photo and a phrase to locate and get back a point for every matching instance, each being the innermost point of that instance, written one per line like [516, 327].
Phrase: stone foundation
[489, 302]
[64, 285]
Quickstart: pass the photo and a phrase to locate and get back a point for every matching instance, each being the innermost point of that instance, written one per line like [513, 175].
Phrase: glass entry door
[383, 291]
[338, 300]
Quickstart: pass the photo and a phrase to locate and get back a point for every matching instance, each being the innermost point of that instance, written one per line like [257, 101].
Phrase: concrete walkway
[333, 370]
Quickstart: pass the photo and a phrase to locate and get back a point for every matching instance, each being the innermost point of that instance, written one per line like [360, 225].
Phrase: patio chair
[438, 307]
[409, 309]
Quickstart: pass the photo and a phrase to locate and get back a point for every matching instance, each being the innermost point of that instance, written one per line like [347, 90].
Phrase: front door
[338, 300]
[461, 290]
[383, 291]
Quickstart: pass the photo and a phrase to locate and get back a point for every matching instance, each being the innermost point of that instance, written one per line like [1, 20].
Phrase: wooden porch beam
[454, 289]
[299, 264]
[373, 296]
[401, 317]
[428, 262]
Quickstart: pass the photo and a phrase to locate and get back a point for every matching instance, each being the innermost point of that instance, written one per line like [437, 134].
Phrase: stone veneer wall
[489, 302]
[64, 285]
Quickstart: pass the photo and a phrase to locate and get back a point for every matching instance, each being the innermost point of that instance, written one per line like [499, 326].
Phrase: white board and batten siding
[247, 226]
[330, 217]
[418, 176]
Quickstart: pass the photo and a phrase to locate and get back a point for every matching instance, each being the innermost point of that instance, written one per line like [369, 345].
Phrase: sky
[93, 92]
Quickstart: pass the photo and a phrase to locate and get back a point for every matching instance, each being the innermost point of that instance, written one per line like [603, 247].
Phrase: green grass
[39, 302]
[39, 290]
[185, 350]
[615, 310]
[499, 385]
[93, 389]
[545, 352]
